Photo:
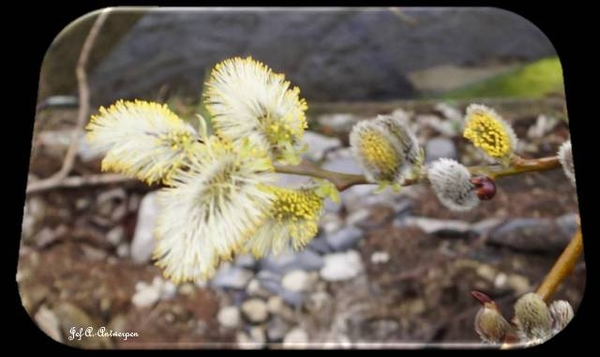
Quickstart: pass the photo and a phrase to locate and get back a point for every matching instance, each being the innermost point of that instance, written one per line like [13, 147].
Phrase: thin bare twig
[78, 181]
[84, 107]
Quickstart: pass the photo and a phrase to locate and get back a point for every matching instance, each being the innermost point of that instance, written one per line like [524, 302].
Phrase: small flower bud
[562, 313]
[490, 325]
[565, 156]
[452, 184]
[485, 187]
[533, 318]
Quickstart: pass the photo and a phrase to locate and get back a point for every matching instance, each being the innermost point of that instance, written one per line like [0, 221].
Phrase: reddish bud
[484, 187]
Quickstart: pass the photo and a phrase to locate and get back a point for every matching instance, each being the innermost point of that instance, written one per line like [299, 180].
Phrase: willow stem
[344, 181]
[341, 180]
[562, 267]
[518, 166]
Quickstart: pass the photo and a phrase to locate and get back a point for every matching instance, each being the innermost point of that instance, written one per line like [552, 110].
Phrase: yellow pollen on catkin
[489, 134]
[379, 152]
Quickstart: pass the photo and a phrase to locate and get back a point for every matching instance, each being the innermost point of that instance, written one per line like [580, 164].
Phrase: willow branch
[84, 107]
[341, 180]
[344, 181]
[562, 267]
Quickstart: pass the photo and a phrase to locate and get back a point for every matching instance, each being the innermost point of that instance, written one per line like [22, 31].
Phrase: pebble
[231, 277]
[519, 284]
[143, 241]
[568, 223]
[440, 147]
[115, 235]
[485, 225]
[341, 266]
[309, 260]
[276, 329]
[275, 304]
[296, 338]
[279, 263]
[255, 310]
[48, 322]
[123, 250]
[245, 261]
[319, 145]
[145, 296]
[254, 289]
[345, 238]
[340, 122]
[296, 280]
[438, 226]
[319, 245]
[229, 317]
[380, 257]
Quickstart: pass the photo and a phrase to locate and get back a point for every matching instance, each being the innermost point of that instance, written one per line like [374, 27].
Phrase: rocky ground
[384, 270]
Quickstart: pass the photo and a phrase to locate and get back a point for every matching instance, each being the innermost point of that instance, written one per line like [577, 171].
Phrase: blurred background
[384, 269]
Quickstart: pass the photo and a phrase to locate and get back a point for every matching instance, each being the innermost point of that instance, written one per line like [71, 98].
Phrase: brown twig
[562, 267]
[78, 181]
[84, 108]
[344, 181]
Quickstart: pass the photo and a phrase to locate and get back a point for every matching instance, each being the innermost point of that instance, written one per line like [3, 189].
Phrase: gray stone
[344, 165]
[344, 238]
[276, 329]
[531, 235]
[254, 289]
[568, 223]
[293, 298]
[338, 122]
[440, 147]
[309, 260]
[319, 145]
[296, 338]
[438, 226]
[229, 317]
[246, 261]
[289, 180]
[231, 277]
[279, 263]
[485, 225]
[341, 266]
[346, 54]
[143, 241]
[296, 280]
[255, 310]
[319, 245]
[358, 216]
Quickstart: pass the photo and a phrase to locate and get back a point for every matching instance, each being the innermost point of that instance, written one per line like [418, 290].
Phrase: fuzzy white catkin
[533, 317]
[451, 183]
[562, 313]
[565, 156]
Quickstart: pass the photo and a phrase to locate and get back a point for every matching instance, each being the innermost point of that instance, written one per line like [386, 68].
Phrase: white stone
[380, 257]
[341, 266]
[48, 322]
[255, 310]
[229, 317]
[143, 241]
[296, 338]
[296, 280]
[146, 297]
[115, 235]
[275, 304]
